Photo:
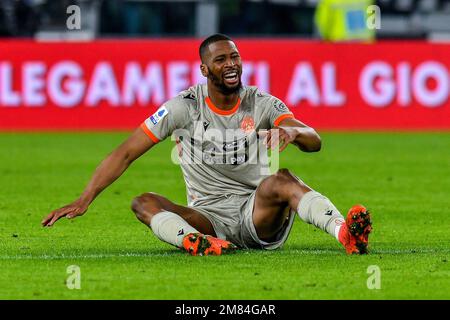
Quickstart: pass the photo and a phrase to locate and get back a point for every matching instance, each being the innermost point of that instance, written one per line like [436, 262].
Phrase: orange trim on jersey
[220, 111]
[281, 118]
[149, 133]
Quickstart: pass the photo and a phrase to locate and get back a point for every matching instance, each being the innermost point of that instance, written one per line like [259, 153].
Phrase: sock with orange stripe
[171, 228]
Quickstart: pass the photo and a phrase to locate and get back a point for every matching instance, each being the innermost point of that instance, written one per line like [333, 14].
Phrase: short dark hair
[211, 39]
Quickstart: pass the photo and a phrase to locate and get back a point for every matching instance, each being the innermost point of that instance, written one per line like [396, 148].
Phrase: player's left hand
[280, 136]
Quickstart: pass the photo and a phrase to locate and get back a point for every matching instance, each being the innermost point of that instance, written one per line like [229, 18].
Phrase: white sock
[318, 210]
[171, 228]
[336, 231]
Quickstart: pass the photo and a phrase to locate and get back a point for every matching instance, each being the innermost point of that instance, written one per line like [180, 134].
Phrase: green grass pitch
[403, 178]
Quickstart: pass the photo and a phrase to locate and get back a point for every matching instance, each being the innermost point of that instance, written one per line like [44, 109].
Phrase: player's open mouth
[231, 77]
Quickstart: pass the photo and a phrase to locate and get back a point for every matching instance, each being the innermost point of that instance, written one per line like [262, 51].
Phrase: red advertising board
[116, 84]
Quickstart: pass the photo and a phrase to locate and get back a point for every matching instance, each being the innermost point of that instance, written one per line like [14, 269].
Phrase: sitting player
[233, 200]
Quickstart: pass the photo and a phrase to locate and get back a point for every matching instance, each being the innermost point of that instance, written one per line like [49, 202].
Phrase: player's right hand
[76, 208]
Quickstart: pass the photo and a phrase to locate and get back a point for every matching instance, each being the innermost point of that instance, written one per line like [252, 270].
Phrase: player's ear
[204, 70]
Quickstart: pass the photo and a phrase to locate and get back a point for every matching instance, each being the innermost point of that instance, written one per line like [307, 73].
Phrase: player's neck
[223, 101]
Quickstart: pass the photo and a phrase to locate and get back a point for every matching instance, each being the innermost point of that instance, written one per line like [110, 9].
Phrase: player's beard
[220, 84]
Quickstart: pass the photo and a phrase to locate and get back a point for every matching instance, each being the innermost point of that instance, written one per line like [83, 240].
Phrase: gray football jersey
[220, 152]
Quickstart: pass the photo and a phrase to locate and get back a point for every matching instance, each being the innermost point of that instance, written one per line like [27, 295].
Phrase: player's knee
[284, 184]
[146, 204]
[283, 172]
[277, 184]
[284, 176]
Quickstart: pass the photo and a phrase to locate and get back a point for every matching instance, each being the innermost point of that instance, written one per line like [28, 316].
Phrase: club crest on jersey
[158, 115]
[248, 124]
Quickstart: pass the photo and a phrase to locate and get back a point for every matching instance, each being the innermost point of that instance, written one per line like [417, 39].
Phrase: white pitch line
[169, 253]
[83, 256]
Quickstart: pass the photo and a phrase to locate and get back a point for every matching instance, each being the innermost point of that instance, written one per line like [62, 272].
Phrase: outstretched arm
[106, 173]
[291, 130]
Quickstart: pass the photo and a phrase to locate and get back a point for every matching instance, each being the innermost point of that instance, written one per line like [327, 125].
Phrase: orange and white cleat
[354, 233]
[198, 244]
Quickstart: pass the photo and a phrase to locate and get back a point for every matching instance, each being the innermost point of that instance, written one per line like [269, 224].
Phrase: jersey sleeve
[277, 111]
[172, 115]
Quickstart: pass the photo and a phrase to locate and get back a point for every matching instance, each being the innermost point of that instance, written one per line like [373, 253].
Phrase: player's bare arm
[293, 131]
[111, 168]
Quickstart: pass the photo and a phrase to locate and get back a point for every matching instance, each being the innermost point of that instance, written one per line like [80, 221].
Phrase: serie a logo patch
[158, 115]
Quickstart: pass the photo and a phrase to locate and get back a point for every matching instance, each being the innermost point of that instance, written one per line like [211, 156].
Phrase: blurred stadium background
[125, 58]
[405, 19]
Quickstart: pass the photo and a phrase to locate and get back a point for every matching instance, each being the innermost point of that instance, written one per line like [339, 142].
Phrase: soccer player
[233, 200]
